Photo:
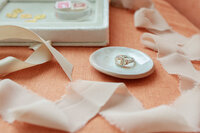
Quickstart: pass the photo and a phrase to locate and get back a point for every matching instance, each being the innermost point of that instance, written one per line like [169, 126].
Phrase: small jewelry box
[86, 24]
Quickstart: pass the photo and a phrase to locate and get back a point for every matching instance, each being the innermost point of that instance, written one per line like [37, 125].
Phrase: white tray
[92, 31]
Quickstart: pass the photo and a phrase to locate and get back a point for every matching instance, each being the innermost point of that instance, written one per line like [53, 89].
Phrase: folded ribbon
[85, 99]
[41, 55]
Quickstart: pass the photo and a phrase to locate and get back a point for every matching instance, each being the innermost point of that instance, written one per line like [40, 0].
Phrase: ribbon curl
[86, 99]
[41, 54]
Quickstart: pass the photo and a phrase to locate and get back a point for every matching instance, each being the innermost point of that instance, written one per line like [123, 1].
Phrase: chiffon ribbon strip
[43, 52]
[85, 99]
[113, 101]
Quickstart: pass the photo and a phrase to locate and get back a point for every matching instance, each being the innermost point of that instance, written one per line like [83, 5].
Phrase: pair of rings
[125, 61]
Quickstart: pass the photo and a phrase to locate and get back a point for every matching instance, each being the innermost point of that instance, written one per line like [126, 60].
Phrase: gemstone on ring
[125, 61]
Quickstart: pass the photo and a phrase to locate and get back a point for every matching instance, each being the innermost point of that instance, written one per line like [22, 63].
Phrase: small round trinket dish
[122, 62]
[72, 9]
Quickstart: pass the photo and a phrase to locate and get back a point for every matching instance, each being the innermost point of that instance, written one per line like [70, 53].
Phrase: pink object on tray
[63, 5]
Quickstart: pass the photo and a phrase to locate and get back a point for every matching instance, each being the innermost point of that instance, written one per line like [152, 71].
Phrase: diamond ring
[125, 61]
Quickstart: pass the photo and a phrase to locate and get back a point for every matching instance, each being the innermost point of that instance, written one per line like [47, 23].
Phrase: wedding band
[124, 61]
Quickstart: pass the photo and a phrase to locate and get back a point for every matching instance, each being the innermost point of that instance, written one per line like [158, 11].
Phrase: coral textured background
[189, 8]
[49, 81]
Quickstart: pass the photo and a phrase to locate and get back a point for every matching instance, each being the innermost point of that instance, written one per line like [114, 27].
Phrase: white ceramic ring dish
[103, 60]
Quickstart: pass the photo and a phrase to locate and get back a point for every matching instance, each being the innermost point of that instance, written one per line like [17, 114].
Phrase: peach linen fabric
[159, 88]
[189, 8]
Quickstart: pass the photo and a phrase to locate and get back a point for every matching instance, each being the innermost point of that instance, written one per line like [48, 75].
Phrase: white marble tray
[92, 31]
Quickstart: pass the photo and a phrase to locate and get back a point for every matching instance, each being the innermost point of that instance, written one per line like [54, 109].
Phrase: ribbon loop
[42, 54]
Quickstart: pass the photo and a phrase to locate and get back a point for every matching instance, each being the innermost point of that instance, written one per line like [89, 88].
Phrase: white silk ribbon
[41, 55]
[85, 99]
[150, 18]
